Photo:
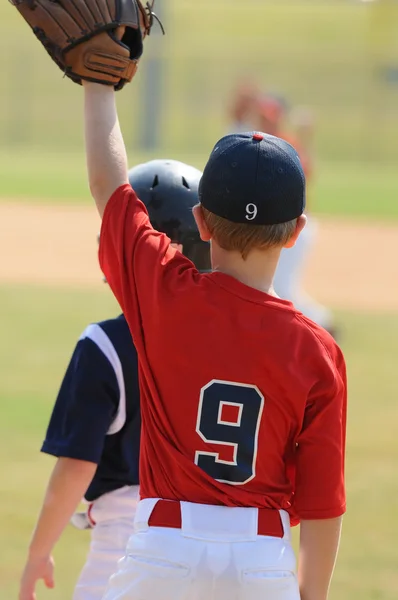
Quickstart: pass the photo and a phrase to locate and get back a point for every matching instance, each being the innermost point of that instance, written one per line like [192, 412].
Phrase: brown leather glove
[83, 36]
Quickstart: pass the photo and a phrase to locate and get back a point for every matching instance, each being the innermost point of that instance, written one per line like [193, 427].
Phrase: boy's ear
[204, 232]
[301, 223]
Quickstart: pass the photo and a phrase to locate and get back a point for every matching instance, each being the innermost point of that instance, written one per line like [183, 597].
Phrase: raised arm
[106, 153]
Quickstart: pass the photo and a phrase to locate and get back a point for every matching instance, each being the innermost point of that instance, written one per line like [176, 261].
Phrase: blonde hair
[243, 237]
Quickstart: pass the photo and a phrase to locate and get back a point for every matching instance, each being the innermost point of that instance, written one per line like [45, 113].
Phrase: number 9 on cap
[251, 212]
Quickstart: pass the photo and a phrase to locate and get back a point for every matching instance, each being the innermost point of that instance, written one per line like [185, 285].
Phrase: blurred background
[323, 74]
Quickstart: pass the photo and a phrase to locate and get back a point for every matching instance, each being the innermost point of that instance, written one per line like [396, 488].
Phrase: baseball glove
[94, 40]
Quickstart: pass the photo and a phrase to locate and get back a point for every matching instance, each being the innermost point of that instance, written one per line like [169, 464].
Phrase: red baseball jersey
[243, 399]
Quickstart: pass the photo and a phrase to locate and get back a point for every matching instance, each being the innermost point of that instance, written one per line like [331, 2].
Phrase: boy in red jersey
[243, 419]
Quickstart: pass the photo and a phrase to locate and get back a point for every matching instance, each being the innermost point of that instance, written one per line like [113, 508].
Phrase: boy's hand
[36, 569]
[68, 483]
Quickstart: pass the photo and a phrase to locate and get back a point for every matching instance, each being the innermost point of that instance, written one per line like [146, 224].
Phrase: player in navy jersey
[94, 429]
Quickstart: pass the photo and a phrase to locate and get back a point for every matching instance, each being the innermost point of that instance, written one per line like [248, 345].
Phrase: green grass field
[41, 327]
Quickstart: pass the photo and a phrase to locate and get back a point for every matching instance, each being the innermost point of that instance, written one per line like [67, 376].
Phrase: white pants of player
[113, 514]
[288, 276]
[216, 555]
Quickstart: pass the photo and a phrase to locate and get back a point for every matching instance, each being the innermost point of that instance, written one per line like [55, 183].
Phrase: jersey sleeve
[139, 263]
[320, 453]
[86, 406]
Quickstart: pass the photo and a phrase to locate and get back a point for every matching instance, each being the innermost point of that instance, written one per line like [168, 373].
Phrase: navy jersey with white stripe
[96, 416]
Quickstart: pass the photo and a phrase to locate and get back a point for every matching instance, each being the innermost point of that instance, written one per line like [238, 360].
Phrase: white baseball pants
[113, 514]
[217, 554]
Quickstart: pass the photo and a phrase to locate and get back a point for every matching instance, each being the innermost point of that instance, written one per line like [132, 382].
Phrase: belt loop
[286, 525]
[143, 513]
[90, 515]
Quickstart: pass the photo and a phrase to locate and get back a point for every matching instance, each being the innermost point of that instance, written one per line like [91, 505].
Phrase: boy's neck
[257, 271]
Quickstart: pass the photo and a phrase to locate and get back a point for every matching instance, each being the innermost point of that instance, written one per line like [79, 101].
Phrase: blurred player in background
[272, 117]
[94, 429]
[243, 108]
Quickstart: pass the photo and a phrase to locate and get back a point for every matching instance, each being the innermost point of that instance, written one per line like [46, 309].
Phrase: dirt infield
[352, 265]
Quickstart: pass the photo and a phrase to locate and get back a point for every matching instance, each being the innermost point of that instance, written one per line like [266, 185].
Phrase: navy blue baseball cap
[253, 178]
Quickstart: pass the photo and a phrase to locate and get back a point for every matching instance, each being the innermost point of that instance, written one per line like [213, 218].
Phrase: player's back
[120, 457]
[242, 398]
[97, 413]
[237, 404]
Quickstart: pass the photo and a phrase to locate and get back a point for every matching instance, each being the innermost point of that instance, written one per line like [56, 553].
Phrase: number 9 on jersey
[229, 415]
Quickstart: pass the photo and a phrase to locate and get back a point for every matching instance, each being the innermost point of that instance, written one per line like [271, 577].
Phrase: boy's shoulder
[114, 326]
[116, 329]
[112, 337]
[319, 340]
